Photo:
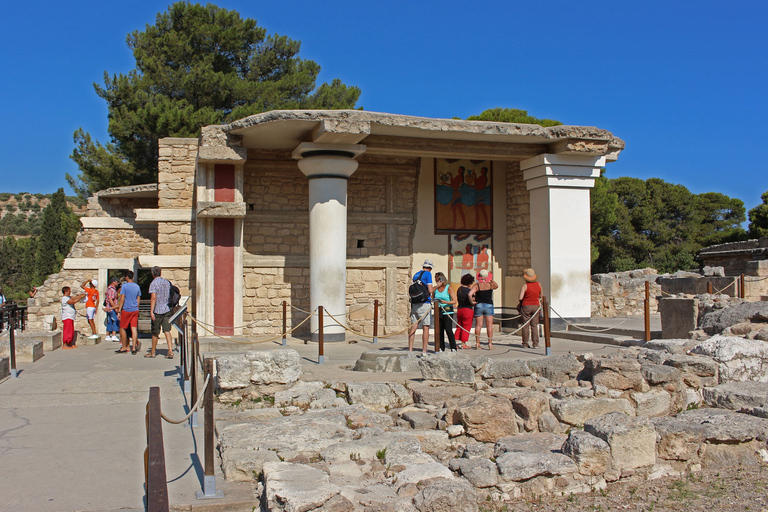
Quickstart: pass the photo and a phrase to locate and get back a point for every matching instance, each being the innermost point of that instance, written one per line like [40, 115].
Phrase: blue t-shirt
[132, 293]
[426, 278]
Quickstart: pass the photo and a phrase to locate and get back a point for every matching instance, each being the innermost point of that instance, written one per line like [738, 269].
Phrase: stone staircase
[622, 335]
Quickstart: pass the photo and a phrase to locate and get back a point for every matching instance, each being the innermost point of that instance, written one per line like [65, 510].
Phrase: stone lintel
[107, 223]
[97, 263]
[220, 210]
[176, 141]
[220, 147]
[579, 147]
[302, 261]
[170, 261]
[163, 214]
[341, 131]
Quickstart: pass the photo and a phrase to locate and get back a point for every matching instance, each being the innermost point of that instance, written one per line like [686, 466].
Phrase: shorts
[90, 313]
[129, 319]
[161, 320]
[419, 310]
[483, 309]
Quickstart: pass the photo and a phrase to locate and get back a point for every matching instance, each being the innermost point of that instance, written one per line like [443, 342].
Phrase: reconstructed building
[338, 208]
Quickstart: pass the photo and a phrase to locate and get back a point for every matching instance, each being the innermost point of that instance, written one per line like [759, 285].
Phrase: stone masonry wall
[47, 301]
[518, 222]
[622, 293]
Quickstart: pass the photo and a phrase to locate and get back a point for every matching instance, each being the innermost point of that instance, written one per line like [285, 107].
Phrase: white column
[328, 168]
[560, 229]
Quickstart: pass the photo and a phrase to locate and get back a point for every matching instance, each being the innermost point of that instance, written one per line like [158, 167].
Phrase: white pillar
[560, 229]
[328, 168]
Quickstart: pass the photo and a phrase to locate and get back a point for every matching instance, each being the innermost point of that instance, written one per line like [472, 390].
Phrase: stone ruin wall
[47, 301]
[277, 224]
[518, 222]
[623, 293]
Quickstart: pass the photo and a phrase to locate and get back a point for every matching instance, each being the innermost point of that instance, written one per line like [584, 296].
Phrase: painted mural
[469, 254]
[463, 196]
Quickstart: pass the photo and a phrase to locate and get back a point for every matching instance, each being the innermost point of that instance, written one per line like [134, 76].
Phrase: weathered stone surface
[295, 487]
[716, 321]
[529, 407]
[300, 394]
[592, 454]
[615, 373]
[520, 466]
[431, 441]
[222, 210]
[655, 402]
[359, 417]
[485, 418]
[737, 395]
[447, 367]
[475, 450]
[241, 465]
[529, 443]
[366, 448]
[420, 420]
[632, 440]
[281, 366]
[577, 411]
[455, 430]
[415, 473]
[504, 369]
[27, 351]
[673, 346]
[678, 316]
[556, 368]
[5, 367]
[379, 396]
[659, 373]
[51, 340]
[395, 361]
[446, 496]
[548, 422]
[738, 359]
[437, 395]
[480, 472]
[696, 365]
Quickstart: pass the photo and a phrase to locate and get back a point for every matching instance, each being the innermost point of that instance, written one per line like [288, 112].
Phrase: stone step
[82, 339]
[51, 339]
[389, 361]
[5, 367]
[602, 338]
[617, 331]
[27, 351]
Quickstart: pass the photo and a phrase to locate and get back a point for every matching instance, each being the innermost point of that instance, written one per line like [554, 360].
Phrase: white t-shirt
[67, 310]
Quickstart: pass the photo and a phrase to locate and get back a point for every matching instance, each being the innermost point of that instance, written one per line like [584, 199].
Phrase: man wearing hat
[421, 312]
[530, 298]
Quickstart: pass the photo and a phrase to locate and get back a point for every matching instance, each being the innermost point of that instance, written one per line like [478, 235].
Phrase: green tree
[196, 66]
[512, 115]
[758, 218]
[57, 234]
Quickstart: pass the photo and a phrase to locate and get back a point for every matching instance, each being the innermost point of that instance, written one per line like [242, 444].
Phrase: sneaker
[93, 336]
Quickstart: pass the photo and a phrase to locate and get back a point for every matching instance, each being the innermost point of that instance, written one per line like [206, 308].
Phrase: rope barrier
[588, 330]
[193, 409]
[279, 336]
[381, 335]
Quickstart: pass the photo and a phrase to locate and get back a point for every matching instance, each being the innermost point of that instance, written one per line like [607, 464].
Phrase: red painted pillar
[224, 254]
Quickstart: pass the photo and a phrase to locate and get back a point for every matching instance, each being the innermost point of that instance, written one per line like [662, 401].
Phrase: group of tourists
[473, 300]
[121, 305]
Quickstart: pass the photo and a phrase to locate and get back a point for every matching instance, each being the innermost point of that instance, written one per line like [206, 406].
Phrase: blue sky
[683, 83]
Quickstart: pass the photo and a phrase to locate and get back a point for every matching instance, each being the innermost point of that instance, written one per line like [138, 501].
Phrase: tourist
[128, 309]
[530, 298]
[159, 290]
[481, 294]
[2, 298]
[110, 308]
[68, 315]
[92, 298]
[421, 307]
[465, 311]
[446, 300]
[33, 292]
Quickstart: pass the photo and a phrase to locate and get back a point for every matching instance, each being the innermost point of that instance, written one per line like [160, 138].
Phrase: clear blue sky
[683, 83]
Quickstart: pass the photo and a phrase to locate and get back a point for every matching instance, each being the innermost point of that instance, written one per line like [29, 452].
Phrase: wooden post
[709, 287]
[285, 323]
[320, 355]
[209, 476]
[742, 288]
[436, 314]
[545, 309]
[154, 459]
[647, 308]
[375, 320]
[185, 358]
[193, 378]
[12, 339]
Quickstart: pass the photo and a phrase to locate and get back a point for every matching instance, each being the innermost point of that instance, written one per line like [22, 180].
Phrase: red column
[224, 254]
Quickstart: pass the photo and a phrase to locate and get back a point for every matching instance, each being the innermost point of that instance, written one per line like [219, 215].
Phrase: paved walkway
[72, 432]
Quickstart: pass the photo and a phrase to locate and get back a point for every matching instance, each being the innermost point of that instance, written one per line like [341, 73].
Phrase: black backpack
[174, 296]
[418, 290]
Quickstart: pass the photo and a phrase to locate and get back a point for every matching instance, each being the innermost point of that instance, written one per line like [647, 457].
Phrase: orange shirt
[92, 297]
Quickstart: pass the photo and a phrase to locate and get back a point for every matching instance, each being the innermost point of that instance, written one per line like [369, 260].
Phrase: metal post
[647, 307]
[742, 288]
[285, 323]
[320, 356]
[209, 477]
[12, 340]
[376, 320]
[193, 378]
[545, 309]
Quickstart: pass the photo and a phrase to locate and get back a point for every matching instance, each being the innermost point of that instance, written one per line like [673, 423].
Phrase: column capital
[317, 160]
[549, 170]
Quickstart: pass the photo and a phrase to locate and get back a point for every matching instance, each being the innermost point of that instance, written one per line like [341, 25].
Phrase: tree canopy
[197, 65]
[512, 115]
[653, 223]
[758, 218]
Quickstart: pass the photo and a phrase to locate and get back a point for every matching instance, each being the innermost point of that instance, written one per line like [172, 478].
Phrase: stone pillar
[558, 186]
[328, 168]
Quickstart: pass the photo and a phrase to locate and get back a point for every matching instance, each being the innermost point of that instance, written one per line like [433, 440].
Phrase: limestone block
[556, 368]
[659, 373]
[632, 439]
[281, 366]
[379, 396]
[49, 322]
[480, 472]
[51, 340]
[420, 420]
[615, 373]
[655, 402]
[592, 454]
[738, 359]
[220, 210]
[241, 465]
[432, 441]
[577, 411]
[296, 487]
[520, 466]
[737, 395]
[27, 351]
[365, 448]
[679, 316]
[416, 473]
[5, 367]
[529, 443]
[485, 418]
[300, 394]
[448, 368]
[529, 407]
[474, 450]
[504, 369]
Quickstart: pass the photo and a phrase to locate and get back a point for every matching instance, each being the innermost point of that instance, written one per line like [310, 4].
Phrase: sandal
[169, 356]
[121, 351]
[149, 354]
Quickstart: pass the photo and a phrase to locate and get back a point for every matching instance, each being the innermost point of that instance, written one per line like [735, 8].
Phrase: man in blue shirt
[421, 312]
[128, 309]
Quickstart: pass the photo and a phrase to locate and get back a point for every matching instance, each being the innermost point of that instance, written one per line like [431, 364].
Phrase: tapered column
[328, 168]
[560, 229]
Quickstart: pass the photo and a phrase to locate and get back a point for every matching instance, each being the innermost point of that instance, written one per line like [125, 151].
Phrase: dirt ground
[743, 488]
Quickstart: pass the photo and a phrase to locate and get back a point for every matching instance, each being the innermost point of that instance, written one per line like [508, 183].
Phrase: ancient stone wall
[623, 293]
[111, 206]
[47, 300]
[518, 221]
[176, 173]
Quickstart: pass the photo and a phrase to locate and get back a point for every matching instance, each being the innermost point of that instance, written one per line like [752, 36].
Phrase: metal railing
[13, 316]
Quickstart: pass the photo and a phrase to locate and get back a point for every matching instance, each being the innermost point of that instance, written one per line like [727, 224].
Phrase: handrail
[154, 456]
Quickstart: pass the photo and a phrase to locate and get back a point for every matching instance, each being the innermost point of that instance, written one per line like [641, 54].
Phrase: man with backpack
[421, 305]
[160, 311]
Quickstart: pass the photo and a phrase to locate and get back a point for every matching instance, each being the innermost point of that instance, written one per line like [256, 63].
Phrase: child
[90, 305]
[68, 315]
